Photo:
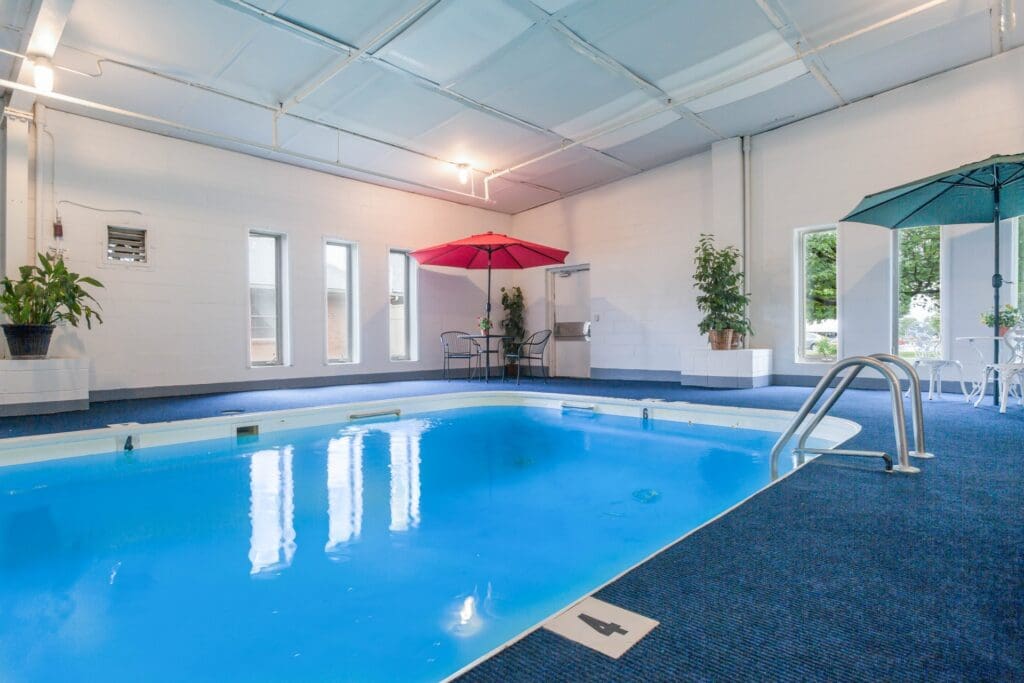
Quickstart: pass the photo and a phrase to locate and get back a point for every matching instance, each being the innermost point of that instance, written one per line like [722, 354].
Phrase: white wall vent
[126, 245]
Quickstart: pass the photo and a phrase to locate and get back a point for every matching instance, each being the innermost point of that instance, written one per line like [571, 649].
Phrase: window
[818, 328]
[340, 308]
[400, 303]
[1019, 280]
[266, 338]
[126, 245]
[918, 294]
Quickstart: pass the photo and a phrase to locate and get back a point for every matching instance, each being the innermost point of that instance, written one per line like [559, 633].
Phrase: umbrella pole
[997, 282]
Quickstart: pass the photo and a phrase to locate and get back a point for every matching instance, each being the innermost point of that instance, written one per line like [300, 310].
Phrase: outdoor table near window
[486, 338]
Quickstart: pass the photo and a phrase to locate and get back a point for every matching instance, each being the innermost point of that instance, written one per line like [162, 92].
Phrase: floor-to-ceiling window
[918, 294]
[818, 313]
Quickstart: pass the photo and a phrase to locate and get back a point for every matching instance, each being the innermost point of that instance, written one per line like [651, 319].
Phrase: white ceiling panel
[515, 197]
[857, 74]
[823, 22]
[308, 138]
[543, 80]
[272, 65]
[9, 40]
[192, 38]
[669, 143]
[657, 38]
[373, 101]
[484, 141]
[573, 169]
[793, 101]
[351, 21]
[469, 30]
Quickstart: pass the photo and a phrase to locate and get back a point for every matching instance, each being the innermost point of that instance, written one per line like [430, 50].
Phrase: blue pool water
[396, 550]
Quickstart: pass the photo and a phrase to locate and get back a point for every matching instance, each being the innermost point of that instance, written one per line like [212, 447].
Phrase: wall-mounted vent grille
[126, 245]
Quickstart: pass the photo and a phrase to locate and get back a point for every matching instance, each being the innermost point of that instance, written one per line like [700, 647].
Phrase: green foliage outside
[48, 293]
[820, 276]
[722, 299]
[514, 324]
[919, 264]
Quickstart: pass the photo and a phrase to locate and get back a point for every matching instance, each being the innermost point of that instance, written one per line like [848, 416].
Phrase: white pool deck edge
[27, 449]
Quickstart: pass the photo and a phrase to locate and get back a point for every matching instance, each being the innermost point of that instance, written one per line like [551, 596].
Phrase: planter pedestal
[734, 369]
[43, 385]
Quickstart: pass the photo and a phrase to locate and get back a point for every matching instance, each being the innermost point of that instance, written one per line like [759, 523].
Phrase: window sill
[329, 363]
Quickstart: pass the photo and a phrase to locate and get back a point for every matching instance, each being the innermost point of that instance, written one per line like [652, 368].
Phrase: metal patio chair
[1008, 373]
[454, 347]
[532, 349]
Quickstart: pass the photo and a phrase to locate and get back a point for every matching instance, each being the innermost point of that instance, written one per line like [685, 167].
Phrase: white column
[14, 235]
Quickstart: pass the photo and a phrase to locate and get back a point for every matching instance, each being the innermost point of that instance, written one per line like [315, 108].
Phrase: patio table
[487, 348]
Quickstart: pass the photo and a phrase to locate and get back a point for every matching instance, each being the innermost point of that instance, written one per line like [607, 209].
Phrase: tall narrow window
[400, 305]
[918, 297]
[1020, 263]
[818, 329]
[340, 309]
[265, 300]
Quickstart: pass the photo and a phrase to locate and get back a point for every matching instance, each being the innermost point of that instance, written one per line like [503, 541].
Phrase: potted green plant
[514, 324]
[43, 296]
[1009, 317]
[485, 324]
[722, 299]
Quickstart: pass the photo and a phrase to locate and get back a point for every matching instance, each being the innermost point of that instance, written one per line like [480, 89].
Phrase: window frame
[353, 301]
[280, 274]
[800, 299]
[410, 305]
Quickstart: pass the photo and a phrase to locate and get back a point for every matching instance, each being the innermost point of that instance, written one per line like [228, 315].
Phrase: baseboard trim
[43, 408]
[624, 374]
[175, 390]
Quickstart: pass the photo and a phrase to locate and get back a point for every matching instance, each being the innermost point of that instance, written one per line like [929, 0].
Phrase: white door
[570, 305]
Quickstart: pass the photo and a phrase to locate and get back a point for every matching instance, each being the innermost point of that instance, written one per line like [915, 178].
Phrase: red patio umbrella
[490, 250]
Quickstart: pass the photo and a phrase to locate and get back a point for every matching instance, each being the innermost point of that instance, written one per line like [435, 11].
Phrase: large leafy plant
[722, 299]
[48, 293]
[514, 324]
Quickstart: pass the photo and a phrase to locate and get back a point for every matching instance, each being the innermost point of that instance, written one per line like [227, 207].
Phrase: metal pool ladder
[879, 362]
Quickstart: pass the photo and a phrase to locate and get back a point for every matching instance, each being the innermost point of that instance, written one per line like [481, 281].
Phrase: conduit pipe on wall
[747, 221]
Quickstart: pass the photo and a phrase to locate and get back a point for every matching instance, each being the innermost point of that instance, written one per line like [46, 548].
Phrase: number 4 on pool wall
[603, 627]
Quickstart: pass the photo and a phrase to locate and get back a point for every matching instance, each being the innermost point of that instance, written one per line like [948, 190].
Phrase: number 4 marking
[603, 627]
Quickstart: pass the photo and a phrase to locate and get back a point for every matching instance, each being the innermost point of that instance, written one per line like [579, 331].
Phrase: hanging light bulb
[42, 73]
[463, 173]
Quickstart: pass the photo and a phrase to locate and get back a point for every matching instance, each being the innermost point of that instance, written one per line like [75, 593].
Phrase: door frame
[549, 303]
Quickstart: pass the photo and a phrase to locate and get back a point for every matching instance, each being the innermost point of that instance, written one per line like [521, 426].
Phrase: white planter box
[737, 369]
[46, 385]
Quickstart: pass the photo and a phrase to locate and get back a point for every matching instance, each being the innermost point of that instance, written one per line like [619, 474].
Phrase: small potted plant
[722, 299]
[1009, 317]
[514, 324]
[484, 323]
[43, 296]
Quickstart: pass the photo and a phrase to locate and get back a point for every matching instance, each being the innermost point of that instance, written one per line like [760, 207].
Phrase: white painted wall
[638, 233]
[183, 320]
[638, 236]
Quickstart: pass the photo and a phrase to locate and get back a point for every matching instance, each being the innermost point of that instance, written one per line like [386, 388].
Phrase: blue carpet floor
[840, 572]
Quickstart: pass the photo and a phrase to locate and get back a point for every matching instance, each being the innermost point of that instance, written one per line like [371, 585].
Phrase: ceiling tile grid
[617, 86]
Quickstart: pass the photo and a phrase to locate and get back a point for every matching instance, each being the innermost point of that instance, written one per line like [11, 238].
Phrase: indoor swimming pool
[394, 548]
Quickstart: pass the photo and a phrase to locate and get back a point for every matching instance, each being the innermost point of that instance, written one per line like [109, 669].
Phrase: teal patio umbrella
[983, 192]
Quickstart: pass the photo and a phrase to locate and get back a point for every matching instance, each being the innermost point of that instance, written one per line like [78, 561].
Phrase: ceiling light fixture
[463, 173]
[42, 73]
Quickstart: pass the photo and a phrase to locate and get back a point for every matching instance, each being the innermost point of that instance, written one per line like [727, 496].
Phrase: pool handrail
[917, 412]
[898, 416]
